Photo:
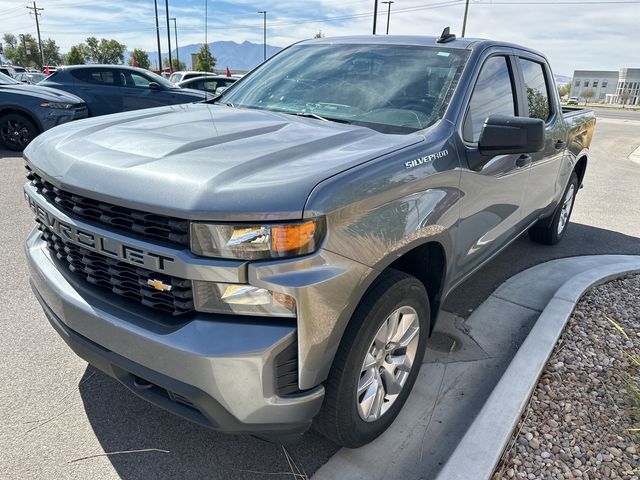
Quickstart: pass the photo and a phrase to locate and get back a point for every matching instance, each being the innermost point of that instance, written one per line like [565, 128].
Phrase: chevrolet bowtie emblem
[159, 285]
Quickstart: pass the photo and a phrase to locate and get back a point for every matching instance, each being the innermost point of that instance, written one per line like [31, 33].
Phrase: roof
[419, 40]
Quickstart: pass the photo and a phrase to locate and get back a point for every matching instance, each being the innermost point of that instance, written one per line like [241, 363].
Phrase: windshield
[390, 88]
[7, 80]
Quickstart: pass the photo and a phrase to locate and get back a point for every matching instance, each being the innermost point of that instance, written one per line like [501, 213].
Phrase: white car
[573, 101]
[177, 77]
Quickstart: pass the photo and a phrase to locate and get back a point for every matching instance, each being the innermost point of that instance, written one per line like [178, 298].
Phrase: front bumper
[218, 371]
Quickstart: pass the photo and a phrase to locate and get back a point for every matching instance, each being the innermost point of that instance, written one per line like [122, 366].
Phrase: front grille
[120, 277]
[148, 225]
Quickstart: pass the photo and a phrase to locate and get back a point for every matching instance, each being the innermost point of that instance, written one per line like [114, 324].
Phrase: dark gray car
[117, 88]
[27, 110]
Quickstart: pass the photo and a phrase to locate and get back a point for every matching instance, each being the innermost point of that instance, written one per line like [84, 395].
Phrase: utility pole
[464, 22]
[175, 29]
[264, 34]
[155, 7]
[375, 15]
[35, 10]
[166, 12]
[388, 13]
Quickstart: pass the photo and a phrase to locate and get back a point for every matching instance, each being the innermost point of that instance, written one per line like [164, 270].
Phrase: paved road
[54, 409]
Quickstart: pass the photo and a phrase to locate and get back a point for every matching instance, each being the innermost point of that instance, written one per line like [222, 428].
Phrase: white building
[627, 89]
[601, 82]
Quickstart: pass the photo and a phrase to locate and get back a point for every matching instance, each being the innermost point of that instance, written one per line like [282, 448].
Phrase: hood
[206, 162]
[44, 93]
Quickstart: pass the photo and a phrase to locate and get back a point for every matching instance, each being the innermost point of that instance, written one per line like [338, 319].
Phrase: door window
[536, 88]
[96, 76]
[492, 95]
[135, 80]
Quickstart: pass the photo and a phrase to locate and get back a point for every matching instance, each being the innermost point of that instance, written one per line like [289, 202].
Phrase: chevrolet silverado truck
[275, 258]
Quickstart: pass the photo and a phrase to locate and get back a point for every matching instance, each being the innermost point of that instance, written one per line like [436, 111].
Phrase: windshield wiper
[310, 115]
[319, 117]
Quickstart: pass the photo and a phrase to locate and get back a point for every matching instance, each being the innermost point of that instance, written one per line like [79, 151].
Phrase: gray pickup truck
[277, 257]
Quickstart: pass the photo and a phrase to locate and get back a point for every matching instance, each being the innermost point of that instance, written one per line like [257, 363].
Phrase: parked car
[30, 78]
[208, 84]
[573, 101]
[181, 76]
[27, 110]
[19, 69]
[8, 71]
[118, 88]
[279, 256]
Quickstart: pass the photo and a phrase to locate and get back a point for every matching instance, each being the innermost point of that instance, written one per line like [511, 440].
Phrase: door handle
[523, 160]
[560, 144]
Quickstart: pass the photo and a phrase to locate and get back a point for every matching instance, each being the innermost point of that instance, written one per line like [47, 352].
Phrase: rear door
[492, 195]
[99, 88]
[539, 90]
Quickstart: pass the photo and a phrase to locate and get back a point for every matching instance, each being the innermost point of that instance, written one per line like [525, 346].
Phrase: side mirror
[505, 134]
[219, 90]
[154, 86]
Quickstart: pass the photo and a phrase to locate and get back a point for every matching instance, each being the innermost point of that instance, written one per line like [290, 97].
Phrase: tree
[177, 66]
[319, 34]
[75, 55]
[587, 95]
[51, 52]
[624, 97]
[206, 61]
[21, 50]
[105, 51]
[141, 58]
[563, 90]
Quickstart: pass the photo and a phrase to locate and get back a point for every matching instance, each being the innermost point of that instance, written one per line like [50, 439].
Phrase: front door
[491, 196]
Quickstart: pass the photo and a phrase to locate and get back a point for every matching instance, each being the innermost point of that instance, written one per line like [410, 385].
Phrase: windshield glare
[7, 80]
[390, 88]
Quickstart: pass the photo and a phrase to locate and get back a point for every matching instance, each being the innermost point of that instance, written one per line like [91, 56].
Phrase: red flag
[134, 62]
[228, 72]
[46, 70]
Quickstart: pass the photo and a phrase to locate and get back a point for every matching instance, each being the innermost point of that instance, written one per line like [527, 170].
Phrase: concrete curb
[481, 448]
[635, 155]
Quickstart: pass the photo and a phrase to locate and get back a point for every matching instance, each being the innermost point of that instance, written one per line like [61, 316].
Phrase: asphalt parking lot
[55, 411]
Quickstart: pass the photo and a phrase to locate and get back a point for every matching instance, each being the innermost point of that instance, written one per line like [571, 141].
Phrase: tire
[16, 131]
[343, 418]
[552, 230]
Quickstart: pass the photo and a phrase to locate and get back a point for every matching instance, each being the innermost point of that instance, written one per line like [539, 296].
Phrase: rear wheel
[16, 131]
[552, 231]
[377, 362]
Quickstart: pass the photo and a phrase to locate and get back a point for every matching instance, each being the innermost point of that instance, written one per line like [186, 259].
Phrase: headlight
[252, 242]
[228, 298]
[61, 106]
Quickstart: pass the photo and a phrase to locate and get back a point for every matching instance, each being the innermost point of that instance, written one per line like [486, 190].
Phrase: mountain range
[237, 56]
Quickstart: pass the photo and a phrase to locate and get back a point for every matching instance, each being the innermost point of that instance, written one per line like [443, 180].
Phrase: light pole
[166, 12]
[155, 7]
[375, 15]
[464, 21]
[175, 29]
[388, 13]
[264, 33]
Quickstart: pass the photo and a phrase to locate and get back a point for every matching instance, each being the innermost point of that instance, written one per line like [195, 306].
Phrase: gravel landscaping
[581, 418]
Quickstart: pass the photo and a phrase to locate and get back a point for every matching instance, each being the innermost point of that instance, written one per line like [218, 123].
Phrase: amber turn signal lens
[293, 237]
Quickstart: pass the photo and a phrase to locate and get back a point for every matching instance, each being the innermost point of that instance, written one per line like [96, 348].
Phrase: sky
[574, 34]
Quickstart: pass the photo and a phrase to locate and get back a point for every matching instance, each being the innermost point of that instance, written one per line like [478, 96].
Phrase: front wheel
[377, 361]
[16, 131]
[552, 231]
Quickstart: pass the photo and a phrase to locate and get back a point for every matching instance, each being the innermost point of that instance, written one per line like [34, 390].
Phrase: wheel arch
[8, 109]
[581, 168]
